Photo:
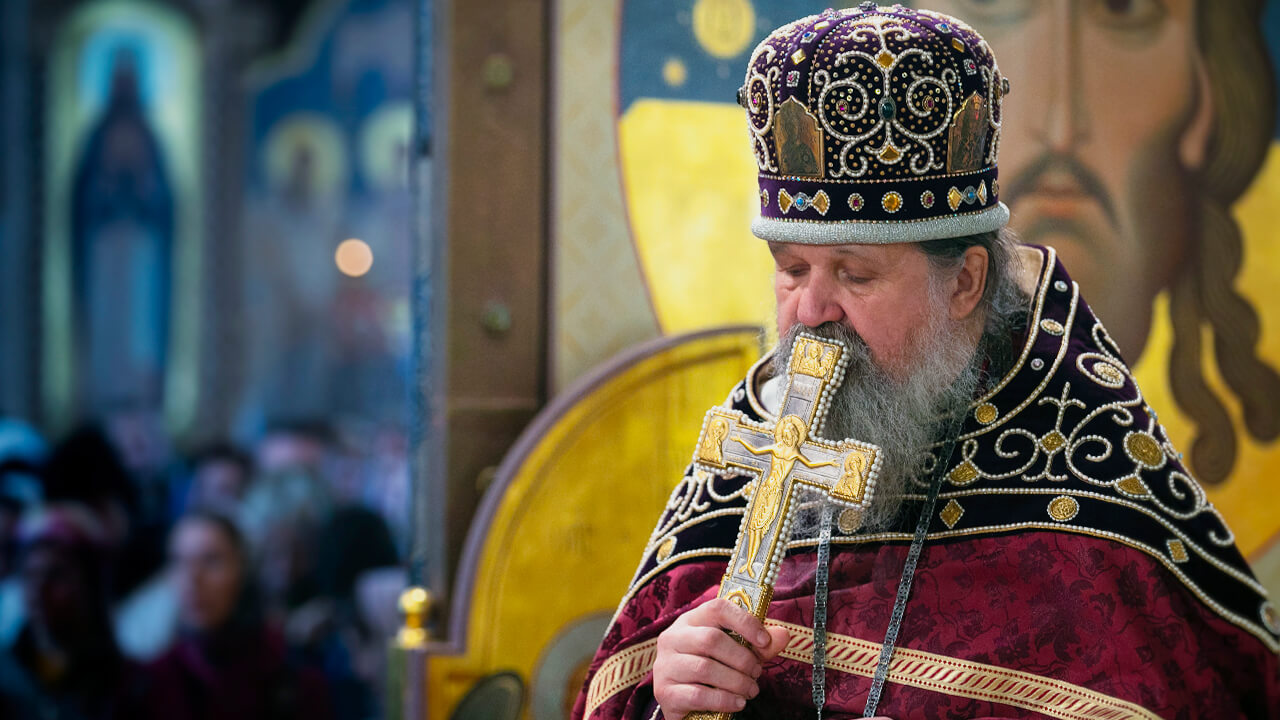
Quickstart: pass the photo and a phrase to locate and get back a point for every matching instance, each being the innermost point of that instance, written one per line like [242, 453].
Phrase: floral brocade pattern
[1070, 608]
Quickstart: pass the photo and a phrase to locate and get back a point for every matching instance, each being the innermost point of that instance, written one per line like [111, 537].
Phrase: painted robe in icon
[1073, 566]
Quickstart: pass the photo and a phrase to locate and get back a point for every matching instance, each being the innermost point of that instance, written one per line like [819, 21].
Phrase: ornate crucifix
[781, 457]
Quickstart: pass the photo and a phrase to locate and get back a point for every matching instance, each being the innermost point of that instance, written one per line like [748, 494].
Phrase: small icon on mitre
[798, 140]
[966, 143]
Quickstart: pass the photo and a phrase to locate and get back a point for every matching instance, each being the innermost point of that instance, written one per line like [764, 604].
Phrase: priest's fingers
[684, 699]
[685, 669]
[725, 614]
[778, 639]
[713, 643]
[684, 683]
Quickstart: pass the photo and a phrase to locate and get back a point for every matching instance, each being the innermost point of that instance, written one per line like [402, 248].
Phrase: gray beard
[904, 418]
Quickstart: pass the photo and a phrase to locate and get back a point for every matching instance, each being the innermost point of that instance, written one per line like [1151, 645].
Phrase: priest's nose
[818, 302]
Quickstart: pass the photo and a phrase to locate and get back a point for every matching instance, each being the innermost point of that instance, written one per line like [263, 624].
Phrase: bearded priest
[1025, 541]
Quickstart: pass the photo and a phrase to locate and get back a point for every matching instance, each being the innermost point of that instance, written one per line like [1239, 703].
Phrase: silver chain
[820, 610]
[909, 571]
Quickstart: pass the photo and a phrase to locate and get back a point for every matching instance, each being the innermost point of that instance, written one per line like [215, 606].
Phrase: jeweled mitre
[875, 124]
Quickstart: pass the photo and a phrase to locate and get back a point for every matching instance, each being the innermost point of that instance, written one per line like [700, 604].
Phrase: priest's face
[909, 359]
[880, 292]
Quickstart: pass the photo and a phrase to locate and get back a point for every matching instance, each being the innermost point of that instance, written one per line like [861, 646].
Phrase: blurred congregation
[204, 421]
[228, 582]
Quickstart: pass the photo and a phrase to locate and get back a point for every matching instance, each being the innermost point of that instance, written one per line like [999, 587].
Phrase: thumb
[778, 639]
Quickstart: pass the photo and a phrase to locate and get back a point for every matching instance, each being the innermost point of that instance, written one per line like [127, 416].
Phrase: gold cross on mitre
[780, 457]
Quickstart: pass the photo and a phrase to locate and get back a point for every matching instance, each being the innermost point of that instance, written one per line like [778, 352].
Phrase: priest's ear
[970, 282]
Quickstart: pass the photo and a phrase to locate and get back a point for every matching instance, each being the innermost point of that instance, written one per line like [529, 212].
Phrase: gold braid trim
[939, 673]
[963, 678]
[620, 672]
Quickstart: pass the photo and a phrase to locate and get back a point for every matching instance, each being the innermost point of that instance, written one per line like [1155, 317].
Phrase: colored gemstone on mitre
[798, 57]
[926, 199]
[856, 202]
[892, 202]
[764, 197]
[884, 59]
[822, 25]
[958, 44]
[888, 108]
[821, 202]
[784, 201]
[1177, 551]
[982, 192]
[954, 198]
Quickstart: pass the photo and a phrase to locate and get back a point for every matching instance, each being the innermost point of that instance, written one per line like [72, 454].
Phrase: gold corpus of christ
[780, 457]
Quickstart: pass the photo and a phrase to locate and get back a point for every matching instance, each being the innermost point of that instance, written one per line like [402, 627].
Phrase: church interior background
[470, 273]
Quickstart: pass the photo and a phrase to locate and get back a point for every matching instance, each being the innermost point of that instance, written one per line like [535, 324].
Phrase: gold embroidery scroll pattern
[1023, 359]
[1246, 624]
[760, 89]
[964, 678]
[620, 672]
[855, 102]
[1147, 448]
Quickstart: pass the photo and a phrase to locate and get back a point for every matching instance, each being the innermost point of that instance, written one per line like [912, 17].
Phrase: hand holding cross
[782, 456]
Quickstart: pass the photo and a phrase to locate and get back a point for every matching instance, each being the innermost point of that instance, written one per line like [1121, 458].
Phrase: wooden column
[489, 195]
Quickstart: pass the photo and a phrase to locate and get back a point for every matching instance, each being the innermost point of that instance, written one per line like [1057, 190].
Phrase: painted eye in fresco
[1128, 14]
[984, 12]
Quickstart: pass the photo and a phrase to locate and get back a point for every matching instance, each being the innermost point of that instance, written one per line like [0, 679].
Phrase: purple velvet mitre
[875, 124]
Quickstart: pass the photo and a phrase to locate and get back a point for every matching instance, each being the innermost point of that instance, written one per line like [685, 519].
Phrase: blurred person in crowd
[229, 661]
[147, 620]
[281, 516]
[354, 541]
[294, 444]
[220, 477]
[86, 467]
[64, 662]
[22, 452]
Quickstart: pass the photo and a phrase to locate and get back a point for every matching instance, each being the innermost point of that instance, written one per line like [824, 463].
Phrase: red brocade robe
[1073, 568]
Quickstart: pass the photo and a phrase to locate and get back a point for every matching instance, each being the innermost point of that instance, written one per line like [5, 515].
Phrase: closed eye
[850, 278]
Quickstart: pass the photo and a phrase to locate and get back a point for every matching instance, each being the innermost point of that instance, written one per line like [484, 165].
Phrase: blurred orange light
[354, 257]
